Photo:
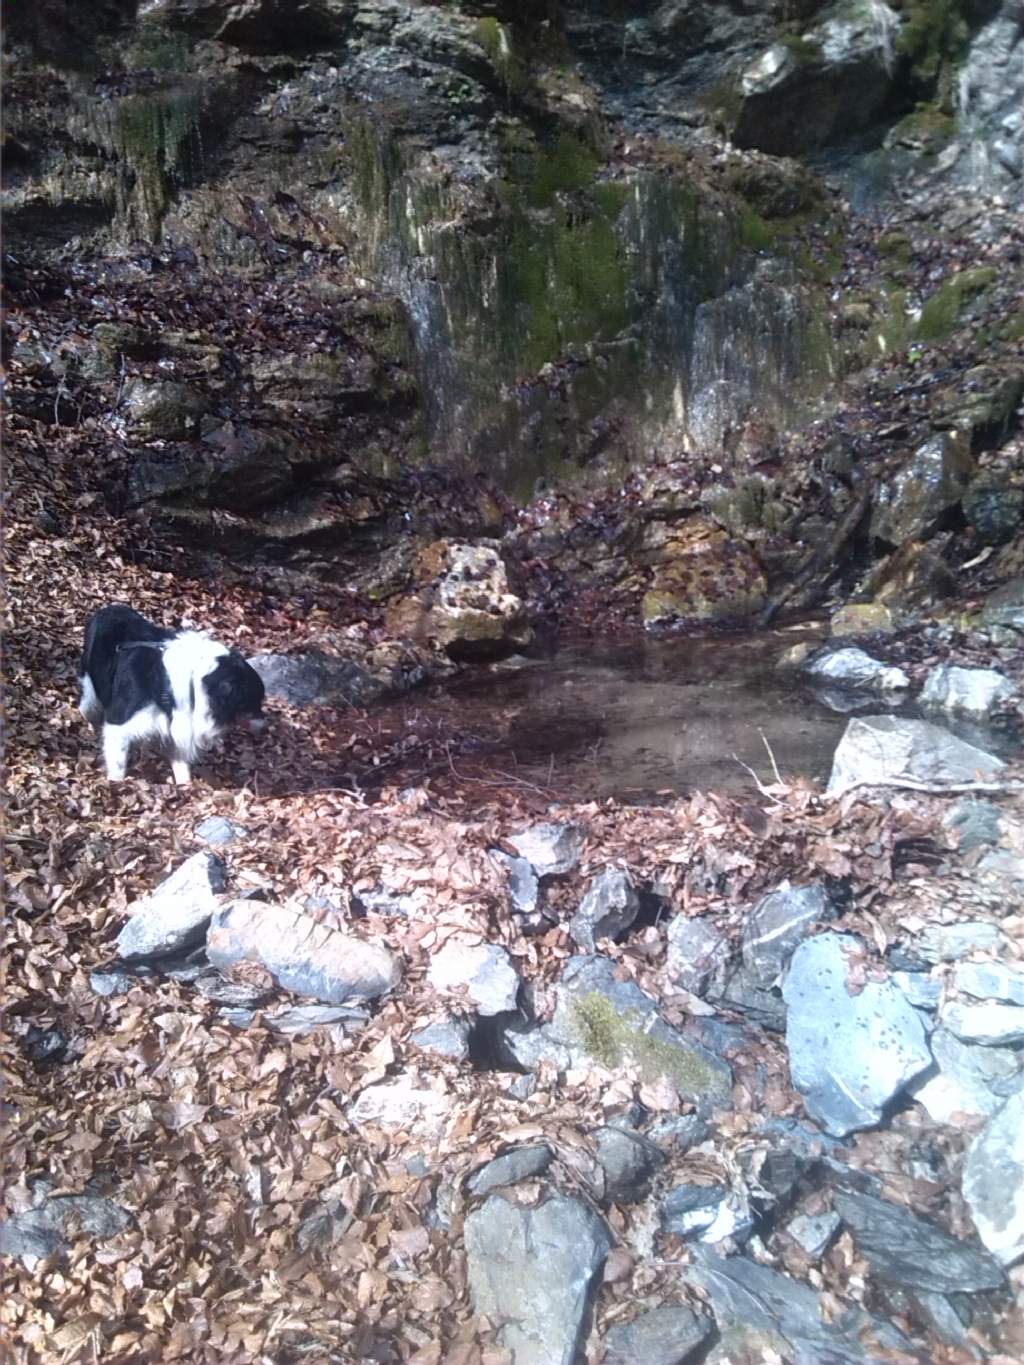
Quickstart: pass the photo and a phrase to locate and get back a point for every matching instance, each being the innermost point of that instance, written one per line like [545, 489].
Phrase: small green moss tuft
[943, 308]
[754, 232]
[568, 165]
[496, 41]
[803, 49]
[934, 38]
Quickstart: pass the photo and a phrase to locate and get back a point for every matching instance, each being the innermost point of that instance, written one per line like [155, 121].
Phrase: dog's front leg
[182, 772]
[116, 743]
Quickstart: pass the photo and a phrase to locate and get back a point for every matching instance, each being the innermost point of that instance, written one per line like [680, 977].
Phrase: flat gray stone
[776, 924]
[906, 1250]
[295, 1020]
[550, 849]
[974, 823]
[447, 1037]
[1002, 863]
[302, 956]
[522, 1163]
[990, 981]
[663, 1336]
[964, 1079]
[975, 693]
[990, 1022]
[691, 1209]
[993, 1182]
[111, 981]
[742, 1293]
[401, 1104]
[607, 910]
[534, 1270]
[949, 942]
[814, 1233]
[849, 1054]
[697, 948]
[877, 749]
[853, 668]
[481, 972]
[176, 915]
[628, 1160]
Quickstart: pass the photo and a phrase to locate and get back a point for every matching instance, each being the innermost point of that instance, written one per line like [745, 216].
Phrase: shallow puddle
[634, 719]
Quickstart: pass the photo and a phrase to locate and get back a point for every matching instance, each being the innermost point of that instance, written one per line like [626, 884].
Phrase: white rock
[483, 971]
[971, 692]
[854, 668]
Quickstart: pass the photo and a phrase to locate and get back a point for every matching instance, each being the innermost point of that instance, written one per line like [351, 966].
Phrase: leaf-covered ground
[266, 1226]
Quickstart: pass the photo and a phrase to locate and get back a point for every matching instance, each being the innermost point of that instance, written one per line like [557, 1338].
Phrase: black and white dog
[141, 682]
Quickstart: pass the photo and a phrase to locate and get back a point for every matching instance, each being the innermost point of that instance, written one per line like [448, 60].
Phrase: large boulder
[463, 602]
[828, 82]
[931, 482]
[972, 692]
[176, 914]
[889, 748]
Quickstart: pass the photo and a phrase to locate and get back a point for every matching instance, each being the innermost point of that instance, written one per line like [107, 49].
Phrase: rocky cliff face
[295, 252]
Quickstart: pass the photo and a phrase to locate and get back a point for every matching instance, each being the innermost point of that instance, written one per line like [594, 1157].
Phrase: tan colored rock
[702, 573]
[463, 602]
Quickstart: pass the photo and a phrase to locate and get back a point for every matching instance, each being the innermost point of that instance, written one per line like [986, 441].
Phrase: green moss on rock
[942, 309]
[613, 1040]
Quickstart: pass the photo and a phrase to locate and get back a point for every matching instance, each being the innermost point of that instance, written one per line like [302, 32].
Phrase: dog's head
[236, 693]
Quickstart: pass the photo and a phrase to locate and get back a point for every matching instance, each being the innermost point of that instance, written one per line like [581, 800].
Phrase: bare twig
[765, 791]
[931, 788]
[775, 766]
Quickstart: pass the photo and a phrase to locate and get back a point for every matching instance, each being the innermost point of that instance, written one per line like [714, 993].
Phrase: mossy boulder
[994, 507]
[983, 401]
[702, 573]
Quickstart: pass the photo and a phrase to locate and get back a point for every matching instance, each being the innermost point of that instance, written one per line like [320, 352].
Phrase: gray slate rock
[302, 956]
[523, 883]
[481, 971]
[975, 693]
[218, 830]
[112, 981]
[931, 481]
[296, 1020]
[629, 1162]
[923, 991]
[975, 824]
[993, 1182]
[402, 1104]
[814, 1233]
[697, 949]
[550, 849]
[890, 748]
[691, 1209]
[967, 1080]
[905, 1250]
[312, 678]
[523, 1163]
[949, 942]
[447, 1037]
[534, 1271]
[743, 1293]
[50, 1227]
[174, 916]
[777, 923]
[852, 668]
[873, 1045]
[988, 1023]
[607, 910]
[991, 981]
[663, 1336]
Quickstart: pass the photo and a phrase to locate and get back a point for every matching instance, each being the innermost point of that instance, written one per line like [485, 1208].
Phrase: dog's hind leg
[117, 740]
